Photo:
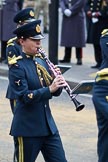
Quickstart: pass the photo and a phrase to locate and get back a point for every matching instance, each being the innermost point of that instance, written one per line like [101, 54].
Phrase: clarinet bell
[77, 104]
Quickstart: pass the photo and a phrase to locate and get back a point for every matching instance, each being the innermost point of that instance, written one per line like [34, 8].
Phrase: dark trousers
[97, 53]
[28, 148]
[68, 50]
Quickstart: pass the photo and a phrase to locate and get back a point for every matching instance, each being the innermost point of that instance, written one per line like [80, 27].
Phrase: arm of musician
[57, 85]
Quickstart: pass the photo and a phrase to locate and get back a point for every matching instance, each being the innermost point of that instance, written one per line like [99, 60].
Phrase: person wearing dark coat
[100, 100]
[13, 49]
[73, 28]
[33, 127]
[97, 20]
[7, 26]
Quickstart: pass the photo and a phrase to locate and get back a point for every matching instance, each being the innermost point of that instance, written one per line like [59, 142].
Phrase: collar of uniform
[38, 55]
[26, 55]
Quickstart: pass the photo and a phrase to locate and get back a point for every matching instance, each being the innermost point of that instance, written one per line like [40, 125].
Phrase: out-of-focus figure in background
[73, 28]
[100, 100]
[13, 49]
[7, 25]
[41, 7]
[97, 20]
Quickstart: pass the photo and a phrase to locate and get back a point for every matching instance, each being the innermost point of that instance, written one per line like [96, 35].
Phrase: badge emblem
[38, 30]
[31, 13]
[30, 95]
[18, 82]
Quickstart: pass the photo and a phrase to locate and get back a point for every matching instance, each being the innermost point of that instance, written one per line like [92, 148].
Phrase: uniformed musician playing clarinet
[33, 126]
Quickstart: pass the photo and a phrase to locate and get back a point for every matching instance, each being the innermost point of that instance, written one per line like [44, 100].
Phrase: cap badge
[38, 30]
[107, 98]
[31, 13]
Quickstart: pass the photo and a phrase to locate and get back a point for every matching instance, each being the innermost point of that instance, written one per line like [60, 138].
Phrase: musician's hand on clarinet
[58, 82]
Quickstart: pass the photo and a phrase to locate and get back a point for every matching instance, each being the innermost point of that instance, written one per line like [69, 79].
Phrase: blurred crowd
[31, 78]
[77, 18]
[8, 9]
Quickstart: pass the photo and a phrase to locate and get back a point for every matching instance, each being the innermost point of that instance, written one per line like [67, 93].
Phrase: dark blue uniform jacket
[32, 116]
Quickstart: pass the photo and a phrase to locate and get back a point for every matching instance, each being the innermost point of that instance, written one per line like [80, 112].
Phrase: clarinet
[77, 104]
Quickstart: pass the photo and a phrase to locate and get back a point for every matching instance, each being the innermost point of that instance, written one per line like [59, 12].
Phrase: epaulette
[103, 72]
[13, 60]
[10, 44]
[104, 32]
[11, 40]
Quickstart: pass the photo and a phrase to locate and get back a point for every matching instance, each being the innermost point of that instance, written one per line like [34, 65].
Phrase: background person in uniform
[97, 20]
[7, 25]
[73, 28]
[33, 126]
[100, 100]
[13, 49]
[42, 7]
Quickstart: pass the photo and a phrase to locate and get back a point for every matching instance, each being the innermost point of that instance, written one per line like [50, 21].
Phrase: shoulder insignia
[103, 72]
[10, 44]
[13, 60]
[104, 32]
[11, 40]
[10, 52]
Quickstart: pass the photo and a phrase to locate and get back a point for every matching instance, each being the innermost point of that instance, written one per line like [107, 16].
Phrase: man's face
[30, 46]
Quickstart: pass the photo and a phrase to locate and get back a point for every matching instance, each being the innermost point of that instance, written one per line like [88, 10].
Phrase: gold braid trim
[11, 40]
[104, 32]
[47, 77]
[10, 44]
[103, 72]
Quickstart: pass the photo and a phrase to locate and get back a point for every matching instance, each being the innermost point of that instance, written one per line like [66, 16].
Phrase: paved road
[78, 129]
